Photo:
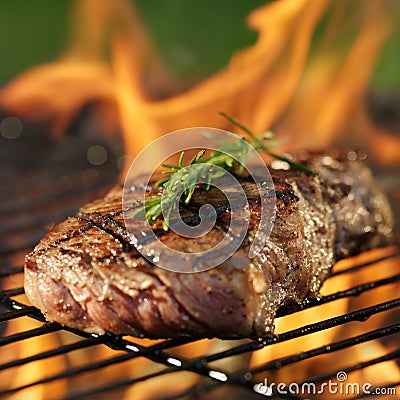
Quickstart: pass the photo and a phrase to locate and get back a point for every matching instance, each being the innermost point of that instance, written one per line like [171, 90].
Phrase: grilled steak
[86, 274]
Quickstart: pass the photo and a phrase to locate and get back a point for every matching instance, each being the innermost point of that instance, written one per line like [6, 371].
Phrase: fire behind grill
[33, 197]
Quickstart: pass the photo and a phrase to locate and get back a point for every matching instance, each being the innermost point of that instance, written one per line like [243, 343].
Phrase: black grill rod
[363, 265]
[98, 365]
[319, 326]
[149, 352]
[152, 350]
[21, 308]
[199, 371]
[387, 357]
[358, 315]
[40, 199]
[70, 372]
[51, 353]
[352, 292]
[117, 342]
[11, 292]
[245, 378]
[117, 385]
[168, 359]
[326, 349]
[17, 313]
[129, 382]
[43, 330]
[277, 363]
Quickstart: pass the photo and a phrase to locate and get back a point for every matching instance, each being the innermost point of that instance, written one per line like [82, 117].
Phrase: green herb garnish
[181, 182]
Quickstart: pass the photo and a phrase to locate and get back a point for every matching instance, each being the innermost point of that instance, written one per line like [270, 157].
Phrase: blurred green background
[195, 38]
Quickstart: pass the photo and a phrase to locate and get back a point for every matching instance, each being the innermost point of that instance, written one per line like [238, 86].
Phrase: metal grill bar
[117, 385]
[47, 328]
[134, 350]
[51, 353]
[276, 364]
[334, 346]
[20, 312]
[360, 315]
[354, 291]
[195, 390]
[72, 372]
[387, 357]
[193, 365]
[13, 292]
[198, 365]
[363, 265]
[244, 378]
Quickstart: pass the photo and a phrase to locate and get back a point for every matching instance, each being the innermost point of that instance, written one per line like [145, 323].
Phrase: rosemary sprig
[182, 182]
[260, 146]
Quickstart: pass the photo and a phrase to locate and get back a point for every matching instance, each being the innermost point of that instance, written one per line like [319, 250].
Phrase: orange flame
[278, 83]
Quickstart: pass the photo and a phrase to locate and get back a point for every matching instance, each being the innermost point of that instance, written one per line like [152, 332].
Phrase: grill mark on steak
[105, 220]
[42, 249]
[86, 274]
[110, 226]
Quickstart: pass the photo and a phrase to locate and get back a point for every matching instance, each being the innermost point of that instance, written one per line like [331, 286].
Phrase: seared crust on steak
[86, 274]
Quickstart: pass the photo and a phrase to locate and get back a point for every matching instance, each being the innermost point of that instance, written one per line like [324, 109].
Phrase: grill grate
[161, 353]
[43, 181]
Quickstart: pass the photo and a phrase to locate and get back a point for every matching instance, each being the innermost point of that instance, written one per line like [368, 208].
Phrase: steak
[86, 273]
